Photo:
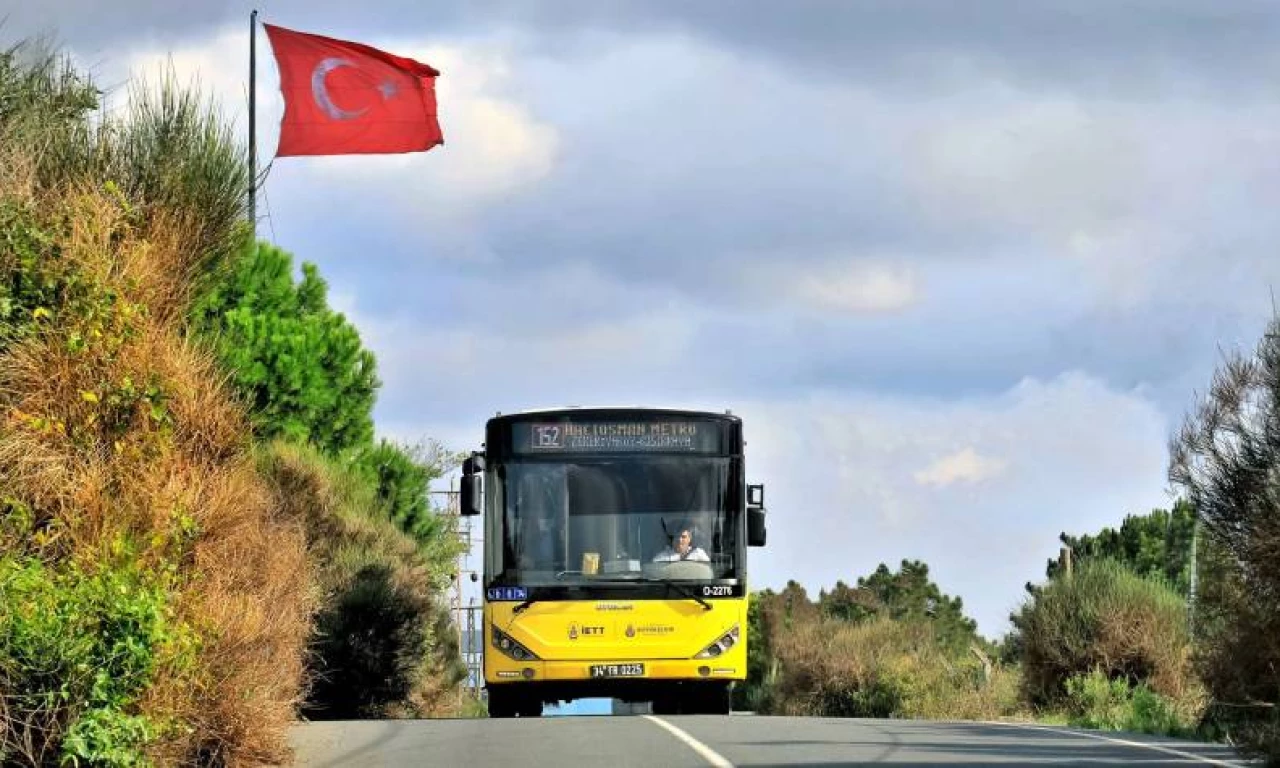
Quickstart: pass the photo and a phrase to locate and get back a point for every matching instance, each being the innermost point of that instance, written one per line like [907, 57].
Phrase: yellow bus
[615, 560]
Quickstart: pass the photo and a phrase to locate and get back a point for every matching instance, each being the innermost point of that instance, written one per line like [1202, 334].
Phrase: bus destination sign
[636, 436]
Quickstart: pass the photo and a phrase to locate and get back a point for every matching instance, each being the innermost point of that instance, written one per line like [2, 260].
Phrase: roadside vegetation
[1101, 648]
[195, 512]
[1168, 624]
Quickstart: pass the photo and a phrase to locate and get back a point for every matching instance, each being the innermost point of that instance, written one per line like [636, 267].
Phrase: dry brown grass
[252, 603]
[169, 470]
[17, 170]
[118, 437]
[884, 668]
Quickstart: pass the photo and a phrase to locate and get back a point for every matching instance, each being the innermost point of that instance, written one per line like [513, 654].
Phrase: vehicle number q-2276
[717, 590]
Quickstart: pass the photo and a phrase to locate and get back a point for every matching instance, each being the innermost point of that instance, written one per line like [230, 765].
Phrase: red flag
[343, 98]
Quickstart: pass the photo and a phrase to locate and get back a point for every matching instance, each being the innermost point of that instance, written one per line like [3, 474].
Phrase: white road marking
[705, 752]
[1127, 743]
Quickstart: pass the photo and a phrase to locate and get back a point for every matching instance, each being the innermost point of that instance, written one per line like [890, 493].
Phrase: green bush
[753, 694]
[370, 641]
[907, 595]
[950, 687]
[1237, 655]
[1096, 701]
[401, 476]
[880, 697]
[30, 261]
[383, 644]
[1226, 458]
[117, 427]
[1105, 618]
[77, 649]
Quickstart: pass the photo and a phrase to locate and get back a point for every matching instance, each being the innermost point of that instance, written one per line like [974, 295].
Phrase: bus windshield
[599, 520]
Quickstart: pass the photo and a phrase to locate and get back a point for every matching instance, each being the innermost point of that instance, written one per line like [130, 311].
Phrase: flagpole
[253, 128]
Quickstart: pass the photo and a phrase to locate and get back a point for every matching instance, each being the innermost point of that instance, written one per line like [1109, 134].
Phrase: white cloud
[1042, 163]
[1150, 197]
[966, 466]
[564, 337]
[857, 287]
[844, 490]
[823, 285]
[493, 143]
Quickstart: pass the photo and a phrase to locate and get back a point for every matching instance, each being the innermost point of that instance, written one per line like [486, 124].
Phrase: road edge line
[705, 752]
[1125, 742]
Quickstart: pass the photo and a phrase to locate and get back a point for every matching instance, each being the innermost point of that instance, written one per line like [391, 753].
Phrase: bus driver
[683, 550]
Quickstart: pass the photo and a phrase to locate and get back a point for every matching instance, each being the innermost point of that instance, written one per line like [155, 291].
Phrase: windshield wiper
[681, 588]
[625, 579]
[524, 604]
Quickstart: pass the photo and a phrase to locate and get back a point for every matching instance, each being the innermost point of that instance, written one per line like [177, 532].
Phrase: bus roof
[509, 434]
[568, 410]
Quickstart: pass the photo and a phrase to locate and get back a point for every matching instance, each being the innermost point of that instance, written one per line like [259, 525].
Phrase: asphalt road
[648, 742]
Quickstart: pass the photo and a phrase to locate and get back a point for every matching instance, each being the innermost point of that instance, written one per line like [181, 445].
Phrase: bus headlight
[722, 644]
[509, 647]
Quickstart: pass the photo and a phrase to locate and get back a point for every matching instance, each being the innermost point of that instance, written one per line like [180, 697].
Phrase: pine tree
[300, 364]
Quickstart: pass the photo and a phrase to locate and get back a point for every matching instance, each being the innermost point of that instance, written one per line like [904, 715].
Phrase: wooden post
[1064, 561]
[986, 662]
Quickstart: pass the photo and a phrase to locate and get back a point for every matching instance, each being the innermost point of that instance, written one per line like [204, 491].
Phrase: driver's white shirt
[670, 556]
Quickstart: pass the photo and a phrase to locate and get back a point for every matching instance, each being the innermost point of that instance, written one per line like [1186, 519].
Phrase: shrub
[401, 476]
[370, 640]
[1226, 458]
[1236, 654]
[1105, 618]
[1097, 701]
[382, 645]
[116, 429]
[885, 668]
[77, 649]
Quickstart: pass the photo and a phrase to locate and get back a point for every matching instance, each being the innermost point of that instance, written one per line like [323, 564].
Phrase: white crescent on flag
[320, 91]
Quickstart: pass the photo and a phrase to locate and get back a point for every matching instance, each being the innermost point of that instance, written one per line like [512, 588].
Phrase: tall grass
[45, 107]
[884, 668]
[170, 154]
[118, 438]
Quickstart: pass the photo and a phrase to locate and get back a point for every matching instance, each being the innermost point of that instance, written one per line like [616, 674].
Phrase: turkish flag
[343, 98]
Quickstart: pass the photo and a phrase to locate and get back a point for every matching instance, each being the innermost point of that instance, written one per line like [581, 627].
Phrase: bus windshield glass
[597, 520]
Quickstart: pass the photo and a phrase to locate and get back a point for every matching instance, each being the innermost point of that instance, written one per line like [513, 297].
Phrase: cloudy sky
[960, 267]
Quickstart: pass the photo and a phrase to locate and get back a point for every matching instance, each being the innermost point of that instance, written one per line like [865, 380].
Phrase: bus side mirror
[755, 527]
[471, 488]
[755, 516]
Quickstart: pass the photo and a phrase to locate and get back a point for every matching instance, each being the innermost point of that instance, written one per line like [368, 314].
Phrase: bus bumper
[650, 690]
[727, 668]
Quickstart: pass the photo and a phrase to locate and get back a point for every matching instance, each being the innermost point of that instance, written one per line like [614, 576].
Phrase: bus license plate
[617, 670]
